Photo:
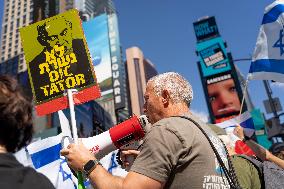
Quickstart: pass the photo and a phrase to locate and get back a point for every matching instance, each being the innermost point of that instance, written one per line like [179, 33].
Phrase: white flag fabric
[64, 124]
[268, 58]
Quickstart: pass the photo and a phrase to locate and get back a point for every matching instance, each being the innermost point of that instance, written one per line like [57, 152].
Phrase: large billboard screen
[213, 57]
[205, 29]
[96, 33]
[223, 98]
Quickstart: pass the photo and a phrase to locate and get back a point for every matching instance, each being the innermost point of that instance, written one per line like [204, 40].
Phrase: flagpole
[72, 114]
[74, 131]
[244, 93]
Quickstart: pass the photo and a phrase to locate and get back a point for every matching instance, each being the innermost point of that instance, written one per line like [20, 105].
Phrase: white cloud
[201, 115]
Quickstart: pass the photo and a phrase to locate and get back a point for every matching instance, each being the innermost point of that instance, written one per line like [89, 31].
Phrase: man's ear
[166, 97]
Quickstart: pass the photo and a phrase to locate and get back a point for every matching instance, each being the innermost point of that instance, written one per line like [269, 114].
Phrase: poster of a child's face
[223, 98]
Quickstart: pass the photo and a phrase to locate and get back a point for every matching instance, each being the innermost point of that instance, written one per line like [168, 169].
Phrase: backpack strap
[232, 182]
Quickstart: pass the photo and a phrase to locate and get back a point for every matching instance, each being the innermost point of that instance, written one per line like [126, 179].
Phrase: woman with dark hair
[16, 132]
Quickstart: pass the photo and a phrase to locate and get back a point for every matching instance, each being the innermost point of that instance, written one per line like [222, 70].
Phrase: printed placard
[58, 59]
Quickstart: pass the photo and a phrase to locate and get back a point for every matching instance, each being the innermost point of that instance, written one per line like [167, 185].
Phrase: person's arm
[274, 159]
[77, 156]
[256, 148]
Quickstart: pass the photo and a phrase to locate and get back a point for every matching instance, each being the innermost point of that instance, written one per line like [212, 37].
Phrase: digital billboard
[213, 57]
[223, 97]
[96, 33]
[205, 29]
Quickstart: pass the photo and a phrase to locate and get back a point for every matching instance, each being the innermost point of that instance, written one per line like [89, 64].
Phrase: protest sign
[58, 59]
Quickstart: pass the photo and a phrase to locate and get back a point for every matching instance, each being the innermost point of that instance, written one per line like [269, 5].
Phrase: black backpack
[272, 176]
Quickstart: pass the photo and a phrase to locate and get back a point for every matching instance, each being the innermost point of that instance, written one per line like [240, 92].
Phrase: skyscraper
[139, 71]
[16, 14]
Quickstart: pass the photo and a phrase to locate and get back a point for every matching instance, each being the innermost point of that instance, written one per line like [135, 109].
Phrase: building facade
[16, 14]
[139, 71]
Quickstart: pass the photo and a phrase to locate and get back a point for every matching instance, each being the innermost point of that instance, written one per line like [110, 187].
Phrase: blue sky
[163, 30]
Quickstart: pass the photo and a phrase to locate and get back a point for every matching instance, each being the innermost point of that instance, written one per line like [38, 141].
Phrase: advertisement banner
[58, 59]
[117, 64]
[223, 98]
[96, 33]
[213, 57]
[205, 29]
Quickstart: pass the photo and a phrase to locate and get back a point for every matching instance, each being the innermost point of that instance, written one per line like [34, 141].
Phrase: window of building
[24, 19]
[3, 58]
[9, 56]
[5, 28]
[31, 15]
[18, 22]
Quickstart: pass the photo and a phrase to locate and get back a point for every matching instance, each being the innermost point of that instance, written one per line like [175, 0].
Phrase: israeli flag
[268, 58]
[46, 159]
[244, 120]
[109, 162]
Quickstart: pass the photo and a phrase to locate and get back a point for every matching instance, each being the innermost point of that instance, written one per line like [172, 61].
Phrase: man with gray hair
[175, 153]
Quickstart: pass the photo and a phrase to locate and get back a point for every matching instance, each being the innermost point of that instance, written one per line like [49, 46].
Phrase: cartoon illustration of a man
[63, 63]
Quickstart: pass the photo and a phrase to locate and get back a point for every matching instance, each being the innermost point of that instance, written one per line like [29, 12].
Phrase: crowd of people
[179, 151]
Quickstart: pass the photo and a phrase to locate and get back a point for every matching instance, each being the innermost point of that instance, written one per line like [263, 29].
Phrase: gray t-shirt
[176, 152]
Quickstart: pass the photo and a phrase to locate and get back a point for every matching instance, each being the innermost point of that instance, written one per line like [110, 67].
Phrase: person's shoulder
[177, 125]
[39, 179]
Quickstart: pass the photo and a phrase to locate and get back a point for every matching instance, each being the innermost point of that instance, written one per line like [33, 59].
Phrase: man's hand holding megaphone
[81, 156]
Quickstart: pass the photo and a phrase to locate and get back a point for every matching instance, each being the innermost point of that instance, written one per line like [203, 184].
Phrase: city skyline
[164, 32]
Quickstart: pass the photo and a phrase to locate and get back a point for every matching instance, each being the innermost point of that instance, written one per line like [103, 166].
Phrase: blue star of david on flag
[279, 43]
[268, 60]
